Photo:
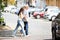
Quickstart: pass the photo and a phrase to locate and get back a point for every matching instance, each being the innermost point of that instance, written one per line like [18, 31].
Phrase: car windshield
[55, 10]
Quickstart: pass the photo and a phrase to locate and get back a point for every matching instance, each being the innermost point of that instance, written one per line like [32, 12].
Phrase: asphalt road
[39, 29]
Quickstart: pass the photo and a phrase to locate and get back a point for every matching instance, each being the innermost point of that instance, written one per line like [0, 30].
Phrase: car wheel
[53, 17]
[35, 17]
[38, 16]
[50, 19]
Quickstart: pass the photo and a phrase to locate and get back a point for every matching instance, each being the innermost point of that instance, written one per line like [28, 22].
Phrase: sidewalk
[6, 31]
[9, 38]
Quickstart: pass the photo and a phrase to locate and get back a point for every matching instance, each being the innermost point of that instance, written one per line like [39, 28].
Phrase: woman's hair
[21, 10]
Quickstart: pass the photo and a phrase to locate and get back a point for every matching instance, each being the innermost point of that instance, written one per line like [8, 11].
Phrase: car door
[58, 24]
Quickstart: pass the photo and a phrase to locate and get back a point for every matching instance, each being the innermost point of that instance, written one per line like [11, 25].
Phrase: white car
[11, 9]
[7, 9]
[51, 12]
[14, 10]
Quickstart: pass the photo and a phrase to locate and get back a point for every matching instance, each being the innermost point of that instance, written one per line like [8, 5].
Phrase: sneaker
[27, 35]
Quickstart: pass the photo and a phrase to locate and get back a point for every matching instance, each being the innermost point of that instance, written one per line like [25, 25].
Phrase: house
[53, 3]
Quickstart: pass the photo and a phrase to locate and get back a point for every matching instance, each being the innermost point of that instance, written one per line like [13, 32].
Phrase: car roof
[52, 7]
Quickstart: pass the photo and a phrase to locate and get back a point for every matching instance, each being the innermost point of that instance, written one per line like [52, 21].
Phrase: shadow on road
[51, 39]
[47, 39]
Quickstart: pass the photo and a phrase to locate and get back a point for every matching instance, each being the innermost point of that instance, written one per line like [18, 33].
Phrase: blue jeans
[16, 29]
[26, 27]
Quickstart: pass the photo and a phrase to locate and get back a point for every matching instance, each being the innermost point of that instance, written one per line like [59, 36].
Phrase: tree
[1, 9]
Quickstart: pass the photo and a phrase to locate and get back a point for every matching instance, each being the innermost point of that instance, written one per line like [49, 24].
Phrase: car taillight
[41, 14]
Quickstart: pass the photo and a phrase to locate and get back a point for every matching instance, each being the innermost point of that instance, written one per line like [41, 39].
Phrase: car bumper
[46, 16]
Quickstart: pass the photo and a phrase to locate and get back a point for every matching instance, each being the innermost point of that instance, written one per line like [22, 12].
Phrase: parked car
[56, 28]
[14, 10]
[11, 9]
[32, 10]
[38, 14]
[51, 12]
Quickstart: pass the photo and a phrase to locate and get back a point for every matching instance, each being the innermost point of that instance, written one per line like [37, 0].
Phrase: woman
[24, 17]
[20, 22]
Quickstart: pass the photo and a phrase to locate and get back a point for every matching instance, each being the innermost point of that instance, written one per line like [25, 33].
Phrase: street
[40, 13]
[39, 29]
